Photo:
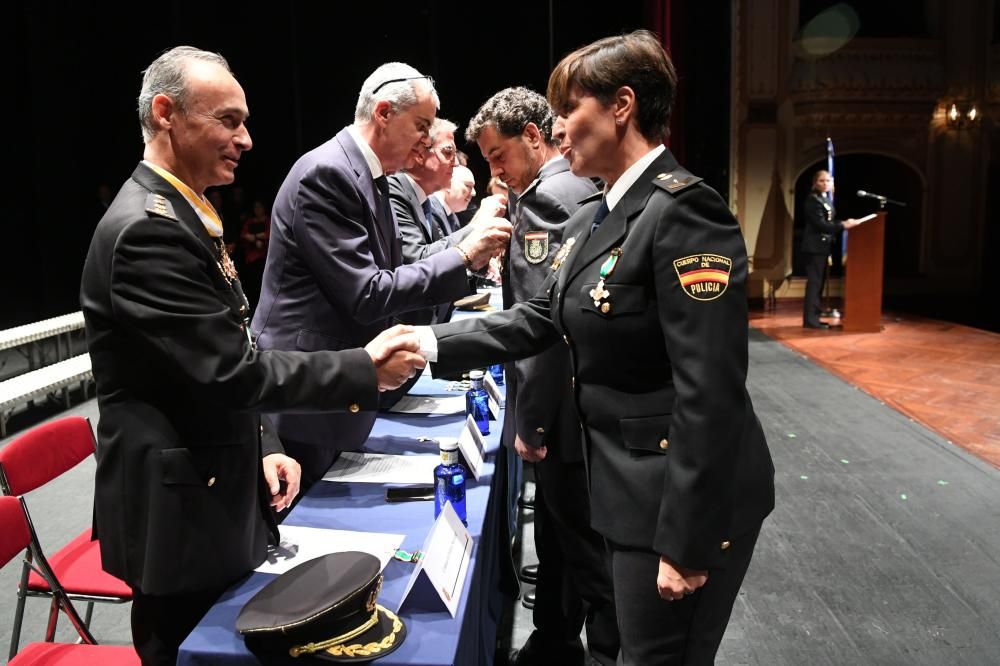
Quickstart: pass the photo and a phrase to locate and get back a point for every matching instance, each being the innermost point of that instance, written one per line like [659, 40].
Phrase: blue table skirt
[433, 637]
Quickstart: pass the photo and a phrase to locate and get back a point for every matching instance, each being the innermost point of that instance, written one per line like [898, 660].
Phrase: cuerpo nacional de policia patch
[703, 277]
[536, 246]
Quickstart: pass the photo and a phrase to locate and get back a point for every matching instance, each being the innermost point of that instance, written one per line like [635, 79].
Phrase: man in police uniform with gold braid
[185, 481]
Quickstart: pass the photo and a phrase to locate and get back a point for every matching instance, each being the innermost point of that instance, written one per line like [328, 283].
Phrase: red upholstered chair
[27, 463]
[17, 535]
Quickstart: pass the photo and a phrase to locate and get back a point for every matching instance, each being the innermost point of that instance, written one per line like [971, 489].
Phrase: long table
[433, 638]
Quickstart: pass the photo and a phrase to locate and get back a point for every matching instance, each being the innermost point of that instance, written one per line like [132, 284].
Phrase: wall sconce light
[962, 115]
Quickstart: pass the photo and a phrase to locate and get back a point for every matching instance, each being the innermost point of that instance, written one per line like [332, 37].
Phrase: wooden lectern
[863, 276]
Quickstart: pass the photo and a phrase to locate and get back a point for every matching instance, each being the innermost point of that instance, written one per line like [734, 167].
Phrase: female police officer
[650, 299]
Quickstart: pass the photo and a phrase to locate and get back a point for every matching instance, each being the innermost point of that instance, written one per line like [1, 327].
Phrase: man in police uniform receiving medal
[186, 474]
[514, 132]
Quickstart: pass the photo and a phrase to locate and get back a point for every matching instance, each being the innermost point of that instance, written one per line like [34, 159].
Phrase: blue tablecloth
[433, 638]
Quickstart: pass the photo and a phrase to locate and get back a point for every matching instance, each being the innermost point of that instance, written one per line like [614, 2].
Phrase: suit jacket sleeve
[163, 292]
[706, 341]
[336, 246]
[542, 379]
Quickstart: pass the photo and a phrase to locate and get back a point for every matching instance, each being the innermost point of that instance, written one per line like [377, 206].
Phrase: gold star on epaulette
[157, 204]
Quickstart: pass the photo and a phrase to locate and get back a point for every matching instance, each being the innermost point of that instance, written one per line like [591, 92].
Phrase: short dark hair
[510, 111]
[636, 60]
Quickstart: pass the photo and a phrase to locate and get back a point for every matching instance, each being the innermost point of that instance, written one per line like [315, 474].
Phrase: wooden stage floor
[944, 376]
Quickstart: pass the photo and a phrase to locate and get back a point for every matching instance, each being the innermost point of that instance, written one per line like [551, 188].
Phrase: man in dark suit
[186, 474]
[514, 132]
[335, 274]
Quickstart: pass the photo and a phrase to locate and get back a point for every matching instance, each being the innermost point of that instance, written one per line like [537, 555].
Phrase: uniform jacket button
[566, 339]
[355, 408]
[725, 545]
[540, 431]
[211, 481]
[664, 444]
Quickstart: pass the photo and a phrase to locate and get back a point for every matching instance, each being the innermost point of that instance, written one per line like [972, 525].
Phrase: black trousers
[161, 623]
[656, 632]
[574, 583]
[815, 274]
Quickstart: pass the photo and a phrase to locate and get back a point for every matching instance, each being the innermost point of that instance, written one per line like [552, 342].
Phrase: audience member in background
[335, 271]
[514, 132]
[651, 301]
[254, 236]
[186, 474]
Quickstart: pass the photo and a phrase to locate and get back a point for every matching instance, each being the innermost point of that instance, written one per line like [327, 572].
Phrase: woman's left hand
[674, 582]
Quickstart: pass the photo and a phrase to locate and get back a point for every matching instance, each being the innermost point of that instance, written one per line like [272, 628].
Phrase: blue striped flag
[829, 167]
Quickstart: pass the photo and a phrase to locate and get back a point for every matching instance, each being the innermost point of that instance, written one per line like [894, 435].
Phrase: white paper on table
[425, 404]
[872, 216]
[301, 544]
[357, 467]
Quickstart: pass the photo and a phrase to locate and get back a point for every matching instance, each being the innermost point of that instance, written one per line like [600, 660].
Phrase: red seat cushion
[77, 566]
[62, 654]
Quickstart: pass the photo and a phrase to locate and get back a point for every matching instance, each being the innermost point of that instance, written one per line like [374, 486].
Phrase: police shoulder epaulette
[157, 204]
[676, 181]
[596, 196]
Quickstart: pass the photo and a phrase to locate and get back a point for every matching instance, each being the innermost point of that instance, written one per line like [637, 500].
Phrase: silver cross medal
[599, 293]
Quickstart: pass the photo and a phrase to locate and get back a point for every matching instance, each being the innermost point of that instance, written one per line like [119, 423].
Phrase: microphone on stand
[878, 197]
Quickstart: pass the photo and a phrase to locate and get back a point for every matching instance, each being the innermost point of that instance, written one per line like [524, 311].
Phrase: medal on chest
[562, 253]
[225, 262]
[599, 293]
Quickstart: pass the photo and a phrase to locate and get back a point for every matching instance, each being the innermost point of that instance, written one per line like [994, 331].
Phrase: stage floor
[945, 376]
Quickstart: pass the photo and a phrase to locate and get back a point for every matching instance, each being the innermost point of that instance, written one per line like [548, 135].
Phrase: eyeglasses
[408, 78]
[447, 153]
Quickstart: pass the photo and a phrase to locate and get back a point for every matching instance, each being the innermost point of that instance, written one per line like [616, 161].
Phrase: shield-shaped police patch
[703, 277]
[536, 246]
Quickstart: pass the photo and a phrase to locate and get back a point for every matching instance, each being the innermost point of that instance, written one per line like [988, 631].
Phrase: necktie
[428, 217]
[602, 212]
[387, 223]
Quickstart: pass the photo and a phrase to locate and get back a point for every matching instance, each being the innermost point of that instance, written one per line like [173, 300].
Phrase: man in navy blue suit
[335, 272]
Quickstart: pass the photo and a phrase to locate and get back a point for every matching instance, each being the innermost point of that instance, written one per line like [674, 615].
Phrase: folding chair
[17, 534]
[27, 463]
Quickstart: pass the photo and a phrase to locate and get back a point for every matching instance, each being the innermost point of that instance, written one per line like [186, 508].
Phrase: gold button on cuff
[211, 481]
[605, 308]
[725, 545]
[355, 408]
[540, 430]
[664, 444]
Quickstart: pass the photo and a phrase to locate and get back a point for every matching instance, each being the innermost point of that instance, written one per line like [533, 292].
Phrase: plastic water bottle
[477, 402]
[449, 481]
[497, 371]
